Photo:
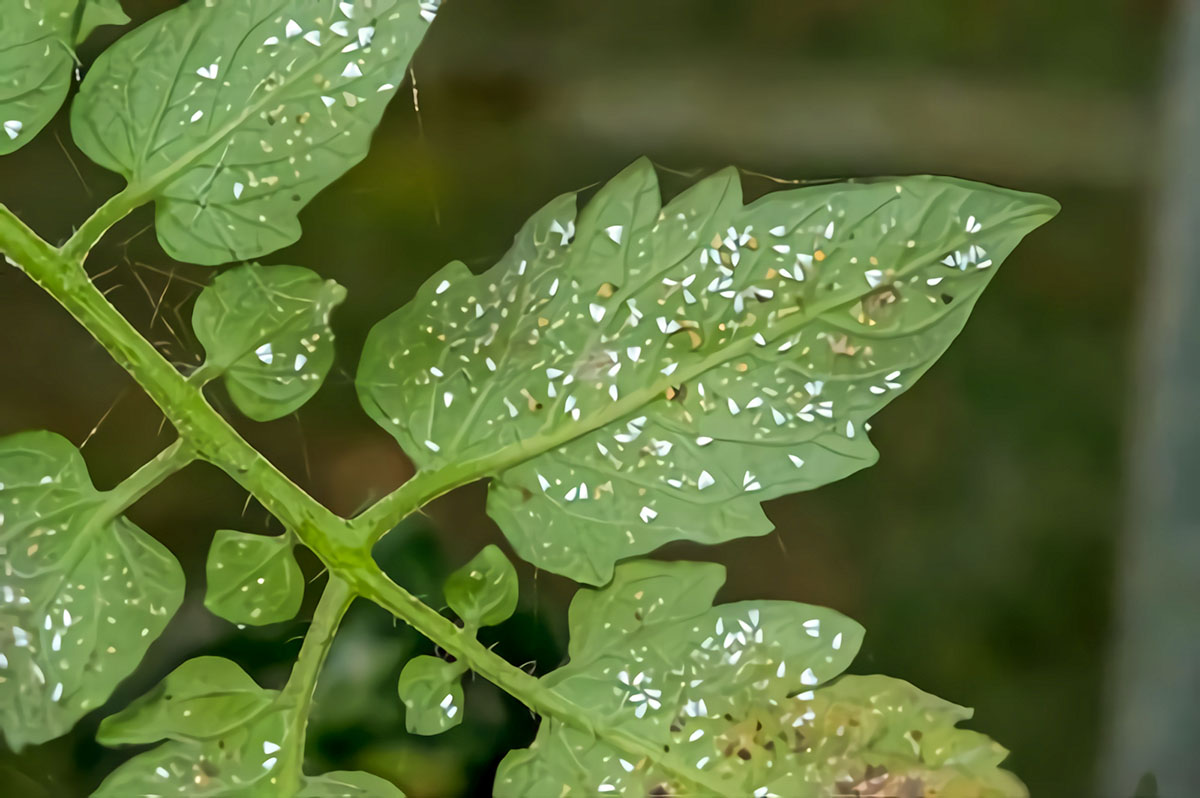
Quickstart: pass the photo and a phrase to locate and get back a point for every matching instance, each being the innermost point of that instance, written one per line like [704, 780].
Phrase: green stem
[297, 695]
[344, 547]
[114, 210]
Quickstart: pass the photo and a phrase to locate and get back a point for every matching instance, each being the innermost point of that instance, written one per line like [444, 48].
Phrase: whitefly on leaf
[37, 59]
[639, 374]
[226, 737]
[741, 699]
[83, 592]
[232, 115]
[266, 330]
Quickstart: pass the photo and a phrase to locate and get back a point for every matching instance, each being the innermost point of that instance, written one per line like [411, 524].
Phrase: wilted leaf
[37, 59]
[484, 592]
[203, 698]
[253, 579]
[693, 683]
[83, 595]
[232, 115]
[227, 738]
[431, 689]
[266, 328]
[646, 374]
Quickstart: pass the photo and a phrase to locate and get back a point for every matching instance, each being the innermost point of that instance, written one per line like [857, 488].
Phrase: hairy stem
[298, 693]
[344, 547]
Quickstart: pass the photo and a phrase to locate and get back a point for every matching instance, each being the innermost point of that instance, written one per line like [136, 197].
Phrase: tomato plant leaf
[874, 735]
[83, 595]
[431, 689]
[484, 592]
[231, 116]
[644, 374]
[741, 699]
[266, 329]
[203, 698]
[348, 784]
[226, 738]
[691, 680]
[37, 58]
[253, 579]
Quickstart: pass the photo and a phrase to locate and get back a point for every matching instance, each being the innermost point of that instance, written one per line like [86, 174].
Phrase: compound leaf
[647, 374]
[253, 579]
[431, 689]
[37, 57]
[737, 699]
[84, 591]
[232, 115]
[226, 738]
[203, 698]
[484, 592]
[266, 329]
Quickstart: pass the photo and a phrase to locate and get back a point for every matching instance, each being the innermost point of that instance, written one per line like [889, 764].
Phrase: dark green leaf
[253, 579]
[266, 328]
[484, 591]
[431, 689]
[231, 115]
[83, 595]
[37, 58]
[647, 374]
[689, 680]
[203, 698]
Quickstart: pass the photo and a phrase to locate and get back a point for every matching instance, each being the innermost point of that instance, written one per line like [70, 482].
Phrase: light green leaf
[203, 698]
[484, 591]
[690, 681]
[349, 784]
[874, 735]
[253, 579]
[232, 115]
[83, 594]
[431, 689]
[37, 59]
[643, 374]
[266, 328]
[227, 738]
[96, 13]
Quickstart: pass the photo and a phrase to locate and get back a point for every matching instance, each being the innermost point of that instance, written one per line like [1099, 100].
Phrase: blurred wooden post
[1155, 671]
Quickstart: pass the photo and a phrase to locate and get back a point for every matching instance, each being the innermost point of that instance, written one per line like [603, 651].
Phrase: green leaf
[253, 579]
[227, 738]
[37, 58]
[231, 116]
[484, 591]
[431, 689]
[349, 784]
[266, 328]
[643, 374]
[203, 698]
[83, 595]
[689, 681]
[874, 735]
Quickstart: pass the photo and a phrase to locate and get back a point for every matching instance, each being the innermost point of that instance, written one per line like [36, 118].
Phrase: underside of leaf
[642, 374]
[231, 116]
[737, 700]
[83, 593]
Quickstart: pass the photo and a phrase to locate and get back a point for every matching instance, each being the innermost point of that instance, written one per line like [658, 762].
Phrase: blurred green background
[979, 553]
